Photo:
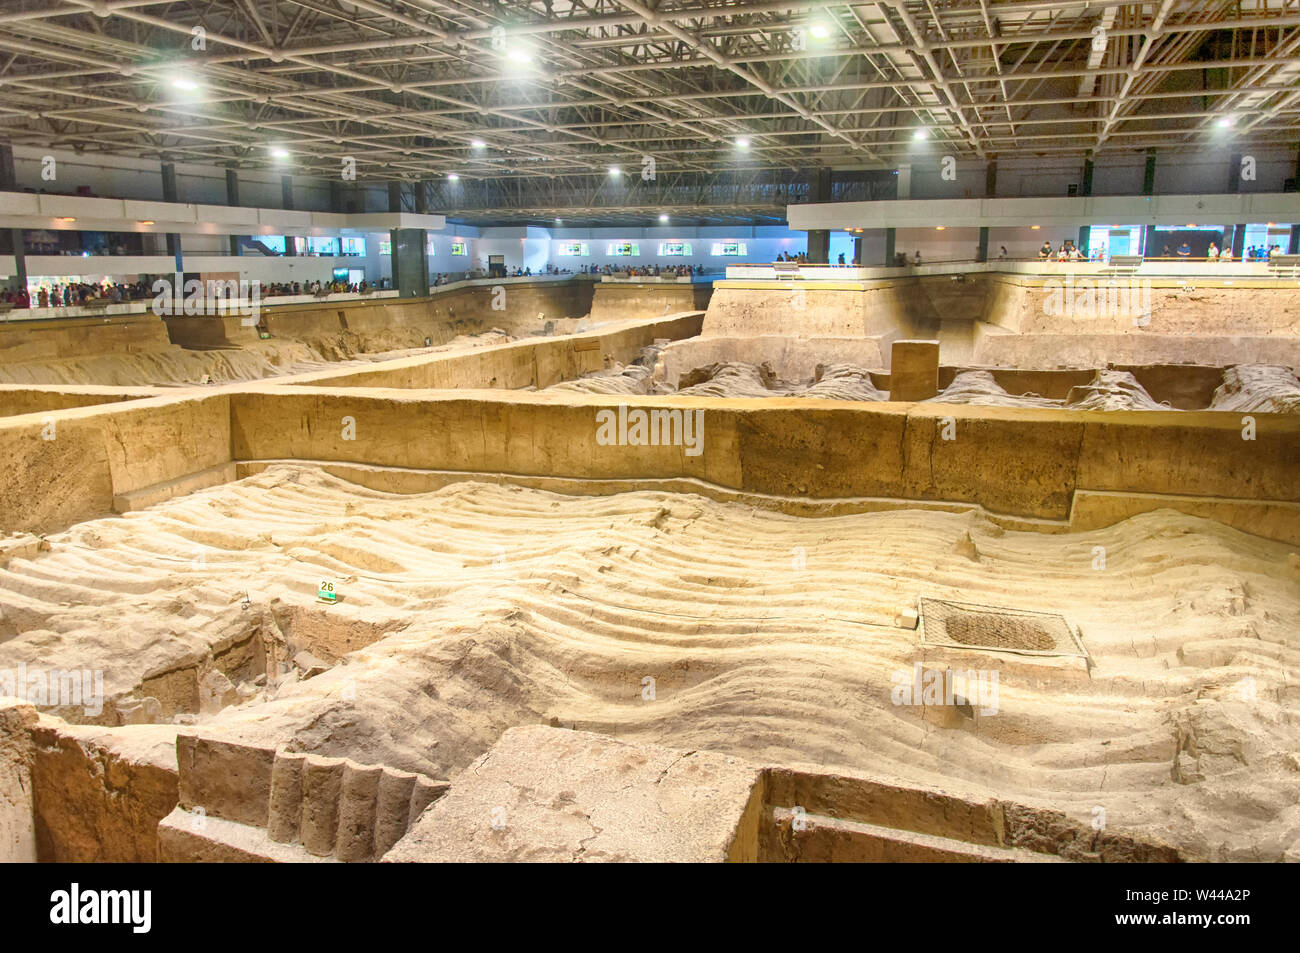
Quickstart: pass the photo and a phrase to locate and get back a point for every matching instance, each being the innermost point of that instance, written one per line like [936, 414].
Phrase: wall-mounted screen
[353, 245]
[579, 249]
[674, 249]
[385, 246]
[458, 248]
[730, 249]
[623, 249]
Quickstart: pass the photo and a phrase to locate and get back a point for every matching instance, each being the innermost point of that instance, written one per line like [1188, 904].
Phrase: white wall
[1206, 168]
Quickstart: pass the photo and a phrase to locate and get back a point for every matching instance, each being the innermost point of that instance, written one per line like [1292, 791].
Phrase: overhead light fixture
[615, 170]
[743, 142]
[939, 228]
[453, 177]
[186, 84]
[520, 55]
[65, 218]
[663, 218]
[820, 30]
[920, 134]
[278, 153]
[147, 221]
[1225, 122]
[477, 144]
[1034, 228]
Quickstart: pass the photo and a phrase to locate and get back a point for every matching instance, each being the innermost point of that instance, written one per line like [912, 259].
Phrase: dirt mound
[1258, 388]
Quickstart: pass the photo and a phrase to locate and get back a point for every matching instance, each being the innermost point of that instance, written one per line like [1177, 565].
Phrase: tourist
[1184, 250]
[1046, 250]
[1212, 253]
[916, 259]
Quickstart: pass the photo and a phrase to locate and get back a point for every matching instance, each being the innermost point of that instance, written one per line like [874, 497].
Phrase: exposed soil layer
[700, 625]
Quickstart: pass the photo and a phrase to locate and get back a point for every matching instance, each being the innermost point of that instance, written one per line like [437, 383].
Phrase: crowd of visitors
[79, 294]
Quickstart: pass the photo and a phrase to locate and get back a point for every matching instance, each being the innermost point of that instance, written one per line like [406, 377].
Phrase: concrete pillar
[1085, 233]
[286, 201]
[889, 247]
[9, 183]
[394, 196]
[857, 250]
[991, 179]
[421, 198]
[1149, 174]
[1238, 241]
[1293, 244]
[172, 194]
[982, 254]
[819, 246]
[905, 181]
[232, 198]
[914, 370]
[819, 240]
[1234, 173]
[1148, 239]
[1087, 178]
[410, 262]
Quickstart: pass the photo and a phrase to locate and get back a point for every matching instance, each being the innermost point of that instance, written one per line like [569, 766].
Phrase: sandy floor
[479, 607]
[181, 367]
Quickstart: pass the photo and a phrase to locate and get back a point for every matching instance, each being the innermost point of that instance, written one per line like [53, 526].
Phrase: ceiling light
[615, 170]
[278, 153]
[743, 142]
[919, 134]
[452, 177]
[1034, 228]
[477, 144]
[147, 221]
[185, 84]
[939, 228]
[1225, 122]
[65, 218]
[820, 30]
[520, 55]
[663, 218]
